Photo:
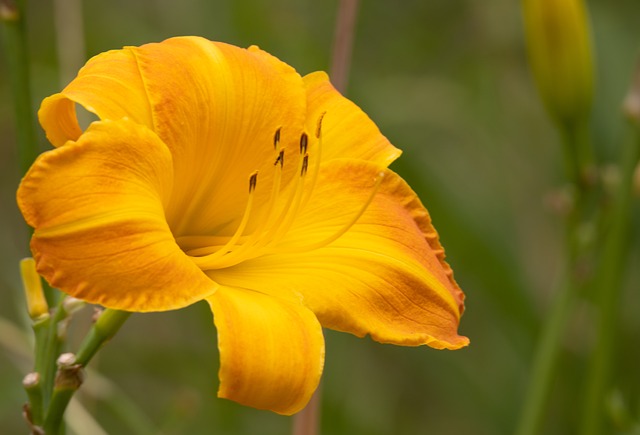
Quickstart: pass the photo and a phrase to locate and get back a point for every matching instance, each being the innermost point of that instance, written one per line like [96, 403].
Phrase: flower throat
[277, 215]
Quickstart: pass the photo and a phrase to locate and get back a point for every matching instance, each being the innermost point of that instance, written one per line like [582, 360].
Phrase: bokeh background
[446, 81]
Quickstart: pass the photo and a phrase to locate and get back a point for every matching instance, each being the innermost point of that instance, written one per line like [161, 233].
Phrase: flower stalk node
[31, 380]
[69, 375]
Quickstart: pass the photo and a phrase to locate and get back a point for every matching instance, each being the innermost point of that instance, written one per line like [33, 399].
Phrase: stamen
[276, 228]
[255, 241]
[205, 262]
[319, 125]
[279, 212]
[253, 180]
[289, 211]
[318, 158]
[279, 159]
[276, 138]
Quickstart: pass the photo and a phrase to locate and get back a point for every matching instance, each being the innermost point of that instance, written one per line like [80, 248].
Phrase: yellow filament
[296, 200]
[206, 260]
[286, 210]
[342, 230]
[278, 217]
[260, 239]
[251, 241]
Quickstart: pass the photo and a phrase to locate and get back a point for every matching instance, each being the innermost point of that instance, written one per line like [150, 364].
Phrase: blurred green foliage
[446, 81]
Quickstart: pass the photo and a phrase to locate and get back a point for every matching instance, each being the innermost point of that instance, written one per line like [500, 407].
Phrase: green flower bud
[559, 46]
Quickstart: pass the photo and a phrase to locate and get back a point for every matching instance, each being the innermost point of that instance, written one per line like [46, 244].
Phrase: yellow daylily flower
[218, 173]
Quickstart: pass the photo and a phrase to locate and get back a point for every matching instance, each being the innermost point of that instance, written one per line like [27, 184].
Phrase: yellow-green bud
[36, 301]
[559, 45]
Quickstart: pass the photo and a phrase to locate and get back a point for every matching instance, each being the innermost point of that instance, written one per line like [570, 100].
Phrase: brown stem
[307, 421]
[343, 43]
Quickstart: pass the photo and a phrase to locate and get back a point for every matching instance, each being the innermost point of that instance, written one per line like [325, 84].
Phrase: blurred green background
[447, 82]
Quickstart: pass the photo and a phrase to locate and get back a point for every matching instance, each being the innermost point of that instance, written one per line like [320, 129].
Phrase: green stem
[545, 360]
[48, 350]
[102, 331]
[69, 376]
[608, 289]
[33, 387]
[15, 47]
[578, 153]
[36, 398]
[68, 379]
[578, 159]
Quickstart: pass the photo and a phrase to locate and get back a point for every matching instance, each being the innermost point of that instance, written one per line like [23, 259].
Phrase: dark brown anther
[253, 180]
[304, 142]
[280, 159]
[305, 165]
[276, 137]
[319, 125]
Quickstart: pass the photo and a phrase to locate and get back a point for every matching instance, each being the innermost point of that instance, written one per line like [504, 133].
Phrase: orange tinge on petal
[271, 350]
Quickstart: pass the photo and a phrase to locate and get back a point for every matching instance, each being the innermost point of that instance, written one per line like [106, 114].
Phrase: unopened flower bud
[36, 301]
[559, 46]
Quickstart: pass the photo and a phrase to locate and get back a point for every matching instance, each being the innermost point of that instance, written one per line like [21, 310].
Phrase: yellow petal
[218, 108]
[386, 276]
[271, 350]
[347, 132]
[100, 232]
[109, 85]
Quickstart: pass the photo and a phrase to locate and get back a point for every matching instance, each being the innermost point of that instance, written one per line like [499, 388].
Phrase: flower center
[276, 216]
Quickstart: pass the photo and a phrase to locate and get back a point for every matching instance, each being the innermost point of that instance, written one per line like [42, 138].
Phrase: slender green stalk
[48, 350]
[36, 399]
[15, 47]
[68, 379]
[33, 387]
[102, 331]
[38, 310]
[578, 166]
[608, 289]
[69, 376]
[578, 153]
[545, 359]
